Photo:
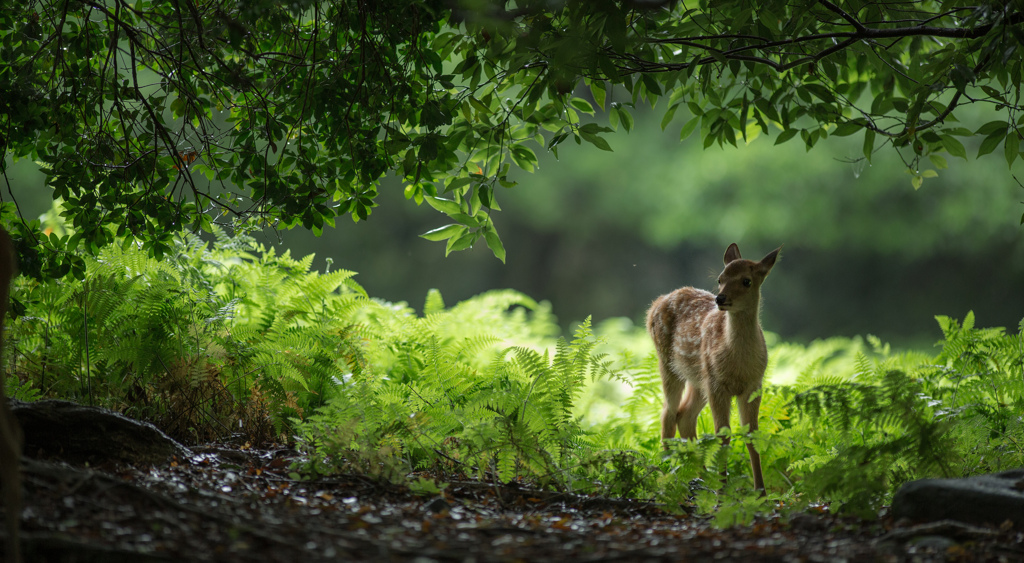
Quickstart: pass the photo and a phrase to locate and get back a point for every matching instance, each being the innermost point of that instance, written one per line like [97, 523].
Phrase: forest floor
[231, 504]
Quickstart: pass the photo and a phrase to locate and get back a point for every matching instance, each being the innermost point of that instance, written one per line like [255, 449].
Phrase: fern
[198, 342]
[209, 340]
[507, 418]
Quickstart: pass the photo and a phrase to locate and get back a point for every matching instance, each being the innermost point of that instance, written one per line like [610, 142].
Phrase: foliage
[881, 431]
[856, 421]
[152, 117]
[434, 403]
[847, 421]
[203, 343]
[982, 374]
[210, 341]
[898, 418]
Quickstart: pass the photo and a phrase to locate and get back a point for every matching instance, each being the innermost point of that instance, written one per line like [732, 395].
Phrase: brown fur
[10, 434]
[710, 352]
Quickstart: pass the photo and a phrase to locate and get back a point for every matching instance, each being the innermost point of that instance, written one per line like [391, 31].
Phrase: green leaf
[582, 105]
[468, 220]
[742, 121]
[869, 143]
[968, 321]
[457, 183]
[625, 118]
[991, 142]
[1011, 148]
[494, 243]
[445, 206]
[752, 132]
[847, 128]
[480, 107]
[729, 133]
[954, 147]
[786, 135]
[677, 95]
[688, 129]
[597, 90]
[524, 157]
[820, 92]
[939, 161]
[653, 88]
[445, 232]
[456, 244]
[668, 117]
[557, 139]
[916, 181]
[597, 141]
[992, 127]
[593, 128]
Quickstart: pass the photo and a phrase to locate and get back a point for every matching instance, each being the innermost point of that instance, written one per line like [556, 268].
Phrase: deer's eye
[746, 282]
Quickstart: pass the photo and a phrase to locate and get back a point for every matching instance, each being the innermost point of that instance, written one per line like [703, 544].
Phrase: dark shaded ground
[238, 505]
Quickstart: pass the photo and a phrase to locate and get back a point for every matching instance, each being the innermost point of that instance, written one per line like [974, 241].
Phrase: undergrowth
[234, 339]
[204, 343]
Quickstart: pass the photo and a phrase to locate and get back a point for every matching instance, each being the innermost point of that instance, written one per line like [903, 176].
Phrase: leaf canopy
[152, 117]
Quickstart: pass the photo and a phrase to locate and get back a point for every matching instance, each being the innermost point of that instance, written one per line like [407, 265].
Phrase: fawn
[10, 435]
[711, 349]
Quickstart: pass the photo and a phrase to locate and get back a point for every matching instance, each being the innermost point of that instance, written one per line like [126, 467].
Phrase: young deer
[10, 436]
[711, 349]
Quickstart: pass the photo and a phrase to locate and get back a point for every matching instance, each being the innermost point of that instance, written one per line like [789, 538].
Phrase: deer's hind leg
[689, 409]
[672, 387]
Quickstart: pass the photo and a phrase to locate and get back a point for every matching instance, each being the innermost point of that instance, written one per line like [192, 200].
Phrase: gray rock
[984, 499]
[78, 433]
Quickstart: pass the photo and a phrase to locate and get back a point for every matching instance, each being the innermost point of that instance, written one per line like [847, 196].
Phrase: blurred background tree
[602, 234]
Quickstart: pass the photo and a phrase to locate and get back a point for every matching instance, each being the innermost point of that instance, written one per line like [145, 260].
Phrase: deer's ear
[732, 253]
[768, 261]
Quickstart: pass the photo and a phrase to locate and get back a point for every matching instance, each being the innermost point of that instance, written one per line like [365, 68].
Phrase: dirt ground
[240, 505]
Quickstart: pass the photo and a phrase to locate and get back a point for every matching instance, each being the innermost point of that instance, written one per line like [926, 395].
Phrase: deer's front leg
[748, 410]
[720, 405]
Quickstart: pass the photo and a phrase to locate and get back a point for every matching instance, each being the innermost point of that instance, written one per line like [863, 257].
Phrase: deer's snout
[720, 299]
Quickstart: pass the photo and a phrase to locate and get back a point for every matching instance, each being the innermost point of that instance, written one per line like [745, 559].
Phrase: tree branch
[842, 13]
